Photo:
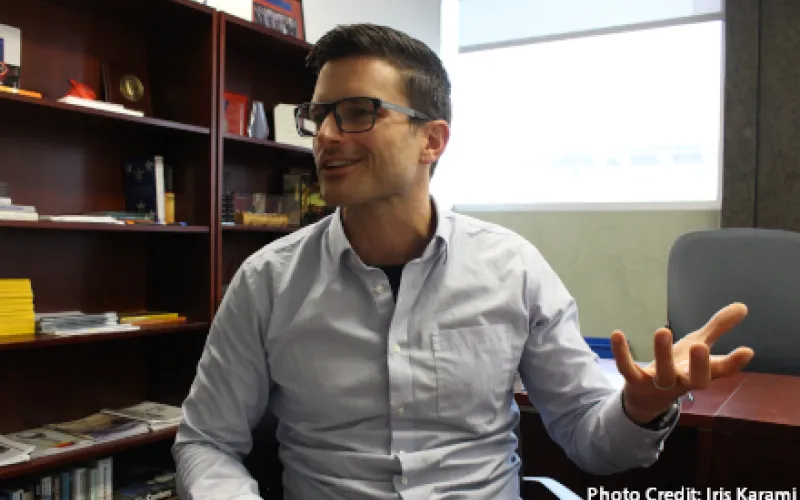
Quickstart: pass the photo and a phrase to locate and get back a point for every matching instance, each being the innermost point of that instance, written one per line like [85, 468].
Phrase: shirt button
[379, 288]
[404, 480]
[400, 410]
[396, 348]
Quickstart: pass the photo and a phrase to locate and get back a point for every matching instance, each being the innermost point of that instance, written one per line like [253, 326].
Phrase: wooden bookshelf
[61, 460]
[265, 145]
[19, 342]
[50, 109]
[68, 160]
[248, 58]
[92, 226]
[260, 229]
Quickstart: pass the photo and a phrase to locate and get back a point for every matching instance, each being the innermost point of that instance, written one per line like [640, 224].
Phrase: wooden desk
[740, 431]
[757, 434]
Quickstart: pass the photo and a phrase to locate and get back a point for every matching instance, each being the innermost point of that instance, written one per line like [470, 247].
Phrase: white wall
[419, 18]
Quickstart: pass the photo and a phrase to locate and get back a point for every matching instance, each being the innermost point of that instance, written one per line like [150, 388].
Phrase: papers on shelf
[156, 415]
[43, 442]
[78, 323]
[101, 427]
[101, 105]
[100, 219]
[94, 330]
[12, 452]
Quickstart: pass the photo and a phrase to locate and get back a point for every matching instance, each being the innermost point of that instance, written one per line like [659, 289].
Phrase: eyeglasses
[352, 114]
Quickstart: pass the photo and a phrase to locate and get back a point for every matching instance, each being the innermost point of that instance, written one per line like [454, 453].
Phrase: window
[624, 118]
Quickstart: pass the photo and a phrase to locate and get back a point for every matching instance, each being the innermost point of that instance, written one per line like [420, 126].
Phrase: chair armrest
[556, 488]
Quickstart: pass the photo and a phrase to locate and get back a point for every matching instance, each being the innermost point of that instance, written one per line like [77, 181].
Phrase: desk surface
[763, 400]
[744, 400]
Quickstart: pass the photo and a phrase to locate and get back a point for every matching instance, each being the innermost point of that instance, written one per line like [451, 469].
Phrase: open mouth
[340, 163]
[338, 166]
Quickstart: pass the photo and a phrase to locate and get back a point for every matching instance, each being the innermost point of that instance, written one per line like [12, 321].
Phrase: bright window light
[626, 118]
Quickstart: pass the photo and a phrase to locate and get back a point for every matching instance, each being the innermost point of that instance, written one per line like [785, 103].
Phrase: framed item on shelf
[127, 84]
[235, 113]
[10, 52]
[284, 16]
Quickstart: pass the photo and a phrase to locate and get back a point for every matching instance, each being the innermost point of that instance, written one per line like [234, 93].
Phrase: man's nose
[329, 130]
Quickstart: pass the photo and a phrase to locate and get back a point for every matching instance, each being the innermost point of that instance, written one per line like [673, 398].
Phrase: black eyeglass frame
[376, 105]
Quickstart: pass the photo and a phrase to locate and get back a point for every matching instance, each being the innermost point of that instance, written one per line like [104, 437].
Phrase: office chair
[708, 270]
[264, 464]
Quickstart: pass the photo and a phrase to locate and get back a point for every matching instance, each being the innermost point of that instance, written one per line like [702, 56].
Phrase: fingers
[723, 366]
[700, 367]
[725, 319]
[622, 355]
[665, 366]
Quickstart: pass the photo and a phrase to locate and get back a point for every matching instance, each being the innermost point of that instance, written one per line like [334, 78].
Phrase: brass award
[131, 87]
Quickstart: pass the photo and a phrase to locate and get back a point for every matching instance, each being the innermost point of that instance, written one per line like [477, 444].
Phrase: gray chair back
[758, 267]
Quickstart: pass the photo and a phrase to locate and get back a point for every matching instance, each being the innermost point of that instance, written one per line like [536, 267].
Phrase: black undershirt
[393, 273]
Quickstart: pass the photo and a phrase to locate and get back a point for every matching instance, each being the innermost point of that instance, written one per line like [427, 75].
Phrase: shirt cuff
[640, 440]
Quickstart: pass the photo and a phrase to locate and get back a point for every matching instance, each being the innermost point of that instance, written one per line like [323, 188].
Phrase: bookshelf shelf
[11, 343]
[141, 12]
[260, 229]
[259, 38]
[84, 454]
[13, 104]
[266, 143]
[94, 226]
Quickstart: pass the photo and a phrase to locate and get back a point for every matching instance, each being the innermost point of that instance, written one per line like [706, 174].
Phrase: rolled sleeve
[642, 445]
[228, 397]
[580, 407]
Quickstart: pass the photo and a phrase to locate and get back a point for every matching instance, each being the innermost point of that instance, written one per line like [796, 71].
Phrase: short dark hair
[426, 80]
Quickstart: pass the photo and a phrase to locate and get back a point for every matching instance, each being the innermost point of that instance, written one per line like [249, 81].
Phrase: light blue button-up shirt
[409, 399]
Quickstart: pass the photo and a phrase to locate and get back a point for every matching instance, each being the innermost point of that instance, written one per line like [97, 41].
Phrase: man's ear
[435, 135]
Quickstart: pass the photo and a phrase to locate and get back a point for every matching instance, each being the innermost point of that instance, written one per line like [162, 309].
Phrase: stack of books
[16, 307]
[79, 323]
[97, 428]
[156, 415]
[10, 211]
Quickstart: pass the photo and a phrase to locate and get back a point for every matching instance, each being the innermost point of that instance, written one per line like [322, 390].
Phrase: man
[386, 338]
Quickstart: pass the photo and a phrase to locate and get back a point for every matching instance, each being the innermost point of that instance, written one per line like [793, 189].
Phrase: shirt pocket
[474, 373]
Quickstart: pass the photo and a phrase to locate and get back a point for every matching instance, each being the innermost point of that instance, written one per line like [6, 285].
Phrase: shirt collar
[339, 244]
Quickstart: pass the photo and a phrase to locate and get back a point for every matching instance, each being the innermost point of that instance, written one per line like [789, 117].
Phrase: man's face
[381, 163]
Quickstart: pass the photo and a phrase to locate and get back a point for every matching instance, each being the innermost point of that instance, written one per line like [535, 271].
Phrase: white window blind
[492, 22]
[619, 119]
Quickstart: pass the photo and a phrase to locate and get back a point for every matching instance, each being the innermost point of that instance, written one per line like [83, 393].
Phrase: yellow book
[17, 315]
[18, 291]
[14, 327]
[16, 311]
[16, 301]
[135, 318]
[15, 284]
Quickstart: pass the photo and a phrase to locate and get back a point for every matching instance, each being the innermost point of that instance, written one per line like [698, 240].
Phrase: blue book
[141, 186]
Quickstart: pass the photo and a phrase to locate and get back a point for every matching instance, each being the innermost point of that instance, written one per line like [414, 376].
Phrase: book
[101, 427]
[146, 483]
[14, 452]
[16, 307]
[47, 441]
[156, 415]
[144, 187]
